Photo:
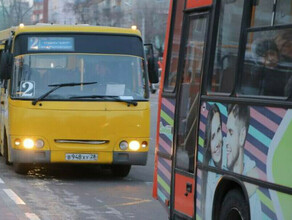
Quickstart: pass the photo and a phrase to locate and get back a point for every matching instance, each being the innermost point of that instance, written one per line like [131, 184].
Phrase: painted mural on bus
[251, 141]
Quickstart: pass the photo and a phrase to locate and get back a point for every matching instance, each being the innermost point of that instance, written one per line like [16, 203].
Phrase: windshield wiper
[115, 98]
[57, 86]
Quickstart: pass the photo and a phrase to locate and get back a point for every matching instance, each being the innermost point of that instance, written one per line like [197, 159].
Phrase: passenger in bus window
[237, 160]
[284, 44]
[268, 50]
[273, 76]
[213, 145]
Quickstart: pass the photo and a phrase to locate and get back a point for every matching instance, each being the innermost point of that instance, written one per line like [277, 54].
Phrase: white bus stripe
[14, 197]
[1, 181]
[32, 216]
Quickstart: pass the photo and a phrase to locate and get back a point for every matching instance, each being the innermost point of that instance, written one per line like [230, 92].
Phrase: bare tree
[151, 20]
[14, 12]
[86, 11]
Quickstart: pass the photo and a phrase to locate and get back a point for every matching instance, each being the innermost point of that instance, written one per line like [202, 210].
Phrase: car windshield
[115, 75]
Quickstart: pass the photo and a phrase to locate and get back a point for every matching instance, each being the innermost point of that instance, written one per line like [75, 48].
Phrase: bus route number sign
[50, 44]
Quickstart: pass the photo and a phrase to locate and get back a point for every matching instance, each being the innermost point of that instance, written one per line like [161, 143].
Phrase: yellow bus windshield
[115, 75]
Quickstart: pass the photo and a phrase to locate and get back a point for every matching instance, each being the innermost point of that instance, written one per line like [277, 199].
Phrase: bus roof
[47, 28]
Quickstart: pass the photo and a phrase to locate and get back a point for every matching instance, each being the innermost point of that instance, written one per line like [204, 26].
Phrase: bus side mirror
[152, 70]
[6, 65]
[152, 64]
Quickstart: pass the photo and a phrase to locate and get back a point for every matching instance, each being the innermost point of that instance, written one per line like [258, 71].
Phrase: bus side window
[263, 15]
[283, 12]
[171, 71]
[268, 63]
[225, 61]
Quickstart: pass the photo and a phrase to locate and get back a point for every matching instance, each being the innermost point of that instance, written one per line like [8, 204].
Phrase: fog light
[39, 143]
[134, 145]
[17, 142]
[124, 145]
[144, 144]
[28, 143]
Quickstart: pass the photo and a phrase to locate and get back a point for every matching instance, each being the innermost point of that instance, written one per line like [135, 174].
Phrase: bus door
[166, 106]
[187, 115]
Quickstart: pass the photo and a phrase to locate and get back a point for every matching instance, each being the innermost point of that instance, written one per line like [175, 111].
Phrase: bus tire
[121, 170]
[234, 206]
[5, 150]
[21, 168]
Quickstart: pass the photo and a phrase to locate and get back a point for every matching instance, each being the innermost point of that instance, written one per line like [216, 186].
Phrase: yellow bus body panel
[65, 120]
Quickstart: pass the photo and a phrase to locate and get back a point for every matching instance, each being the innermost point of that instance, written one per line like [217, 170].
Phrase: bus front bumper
[25, 156]
[130, 158]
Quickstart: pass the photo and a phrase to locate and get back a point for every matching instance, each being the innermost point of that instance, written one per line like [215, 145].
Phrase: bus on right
[224, 128]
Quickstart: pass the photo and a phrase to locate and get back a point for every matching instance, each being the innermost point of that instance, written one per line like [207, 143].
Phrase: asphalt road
[80, 191]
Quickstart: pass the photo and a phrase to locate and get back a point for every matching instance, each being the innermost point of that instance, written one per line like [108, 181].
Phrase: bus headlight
[144, 144]
[17, 142]
[39, 143]
[134, 145]
[124, 145]
[28, 143]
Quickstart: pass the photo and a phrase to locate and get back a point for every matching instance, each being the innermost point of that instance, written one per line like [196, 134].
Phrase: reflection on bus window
[227, 46]
[283, 12]
[268, 63]
[125, 78]
[189, 92]
[263, 13]
[170, 78]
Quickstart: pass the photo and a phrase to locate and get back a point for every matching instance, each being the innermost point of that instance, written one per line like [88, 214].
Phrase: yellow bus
[74, 94]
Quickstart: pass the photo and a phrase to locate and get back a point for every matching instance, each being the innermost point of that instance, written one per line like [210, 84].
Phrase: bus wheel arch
[230, 188]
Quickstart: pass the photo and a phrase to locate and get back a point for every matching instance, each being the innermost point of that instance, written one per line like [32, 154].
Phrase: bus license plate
[81, 157]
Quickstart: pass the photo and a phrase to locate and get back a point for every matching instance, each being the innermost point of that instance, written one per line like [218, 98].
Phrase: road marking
[131, 203]
[148, 183]
[14, 197]
[1, 181]
[32, 216]
[136, 202]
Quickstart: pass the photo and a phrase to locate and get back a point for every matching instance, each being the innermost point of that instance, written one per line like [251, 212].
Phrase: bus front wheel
[21, 168]
[121, 170]
[5, 153]
[234, 206]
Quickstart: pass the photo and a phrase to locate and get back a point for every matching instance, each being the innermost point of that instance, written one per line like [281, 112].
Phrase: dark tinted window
[284, 12]
[271, 12]
[171, 73]
[268, 63]
[263, 13]
[227, 46]
[189, 93]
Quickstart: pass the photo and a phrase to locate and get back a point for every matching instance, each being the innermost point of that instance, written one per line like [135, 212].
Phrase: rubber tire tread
[121, 170]
[234, 199]
[5, 150]
[21, 168]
